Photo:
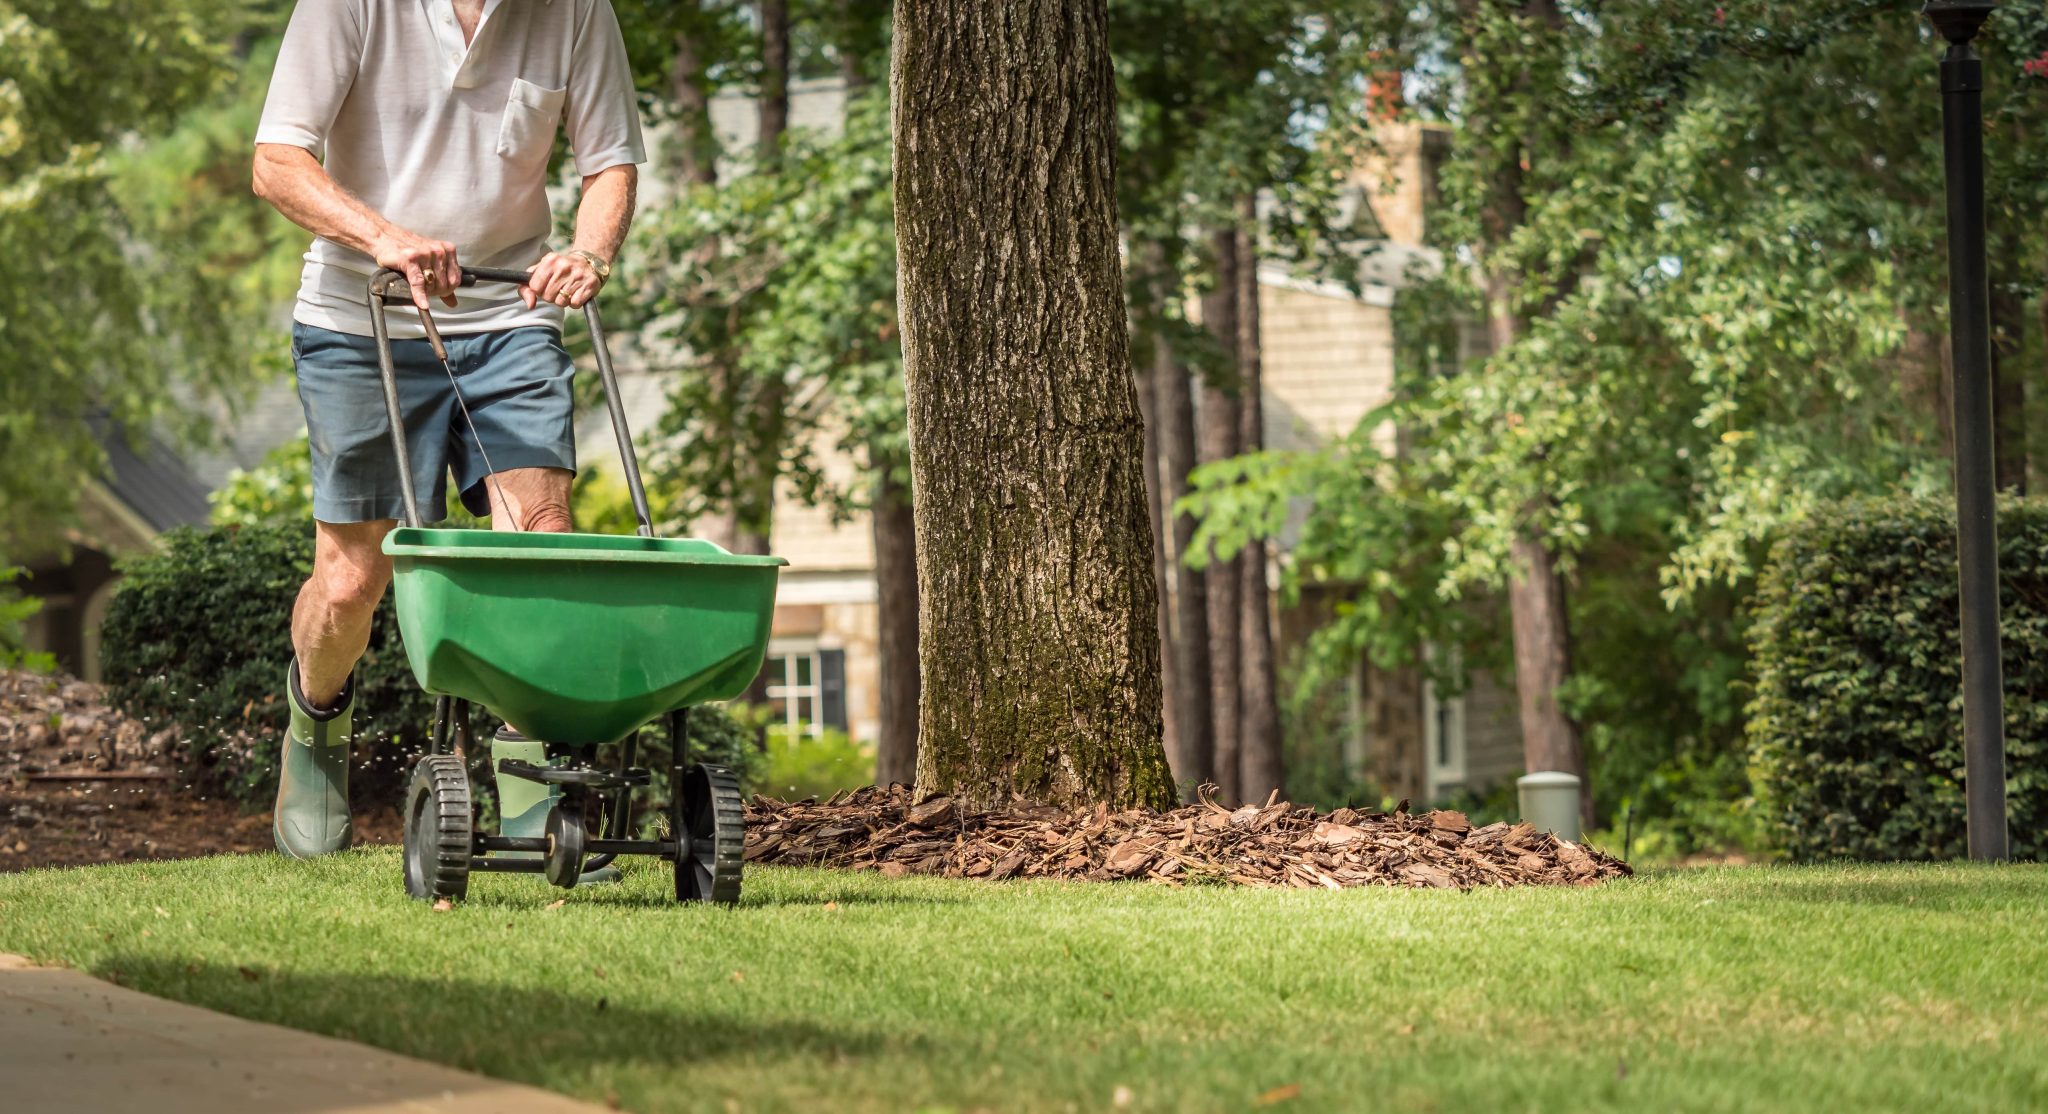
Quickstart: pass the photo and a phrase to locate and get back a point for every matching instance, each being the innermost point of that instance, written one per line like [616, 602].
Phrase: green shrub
[15, 612]
[816, 765]
[1856, 727]
[199, 637]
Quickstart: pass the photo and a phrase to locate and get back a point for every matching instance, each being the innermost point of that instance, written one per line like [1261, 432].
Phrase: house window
[1443, 730]
[806, 685]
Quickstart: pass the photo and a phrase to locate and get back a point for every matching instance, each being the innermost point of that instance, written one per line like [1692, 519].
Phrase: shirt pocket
[531, 116]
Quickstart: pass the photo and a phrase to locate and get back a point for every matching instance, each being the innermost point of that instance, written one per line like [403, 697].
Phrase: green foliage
[278, 491]
[199, 637]
[15, 611]
[816, 765]
[1856, 726]
[802, 291]
[115, 311]
[1703, 234]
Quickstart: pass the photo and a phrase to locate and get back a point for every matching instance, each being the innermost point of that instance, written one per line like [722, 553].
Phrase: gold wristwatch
[604, 269]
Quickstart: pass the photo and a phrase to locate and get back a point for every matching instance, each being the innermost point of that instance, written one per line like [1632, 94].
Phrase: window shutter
[832, 688]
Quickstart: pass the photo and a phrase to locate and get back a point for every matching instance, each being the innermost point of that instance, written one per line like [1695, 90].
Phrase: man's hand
[565, 278]
[429, 266]
[293, 181]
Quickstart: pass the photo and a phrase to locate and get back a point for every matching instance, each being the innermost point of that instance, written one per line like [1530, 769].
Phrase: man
[415, 135]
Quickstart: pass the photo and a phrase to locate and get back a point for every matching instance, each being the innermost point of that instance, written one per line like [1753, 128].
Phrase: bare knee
[350, 570]
[535, 499]
[549, 517]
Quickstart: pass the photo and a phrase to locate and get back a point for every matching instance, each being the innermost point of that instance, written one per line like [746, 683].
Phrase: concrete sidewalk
[71, 1044]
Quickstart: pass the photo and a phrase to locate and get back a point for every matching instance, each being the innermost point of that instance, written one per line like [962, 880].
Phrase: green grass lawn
[1862, 988]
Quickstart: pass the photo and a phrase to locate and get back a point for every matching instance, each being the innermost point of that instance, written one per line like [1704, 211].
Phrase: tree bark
[1195, 761]
[1220, 434]
[1261, 768]
[1040, 666]
[896, 612]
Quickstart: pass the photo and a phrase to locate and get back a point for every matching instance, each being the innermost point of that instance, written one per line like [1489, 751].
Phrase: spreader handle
[388, 287]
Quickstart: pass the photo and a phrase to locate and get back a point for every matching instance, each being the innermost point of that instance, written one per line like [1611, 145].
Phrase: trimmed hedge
[199, 636]
[1856, 728]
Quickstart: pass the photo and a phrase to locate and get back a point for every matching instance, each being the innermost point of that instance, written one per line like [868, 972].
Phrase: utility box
[1550, 802]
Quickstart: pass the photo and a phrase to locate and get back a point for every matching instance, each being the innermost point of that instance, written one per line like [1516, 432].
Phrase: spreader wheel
[712, 839]
[566, 837]
[438, 829]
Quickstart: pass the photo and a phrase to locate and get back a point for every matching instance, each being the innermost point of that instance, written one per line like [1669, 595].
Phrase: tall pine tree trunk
[696, 144]
[1536, 592]
[774, 80]
[1038, 632]
[1221, 417]
[1194, 727]
[762, 467]
[1148, 411]
[896, 617]
[696, 162]
[1261, 770]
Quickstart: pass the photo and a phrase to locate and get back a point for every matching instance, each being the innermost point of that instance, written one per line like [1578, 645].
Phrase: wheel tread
[447, 868]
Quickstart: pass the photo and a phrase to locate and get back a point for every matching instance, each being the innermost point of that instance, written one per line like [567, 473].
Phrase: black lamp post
[1962, 119]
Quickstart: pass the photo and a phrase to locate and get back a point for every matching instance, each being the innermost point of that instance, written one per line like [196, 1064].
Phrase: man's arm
[295, 183]
[602, 217]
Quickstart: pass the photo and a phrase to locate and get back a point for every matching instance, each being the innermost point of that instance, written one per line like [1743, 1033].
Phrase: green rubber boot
[524, 804]
[312, 817]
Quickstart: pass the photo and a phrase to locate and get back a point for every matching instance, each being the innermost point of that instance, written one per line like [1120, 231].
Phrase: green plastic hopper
[579, 638]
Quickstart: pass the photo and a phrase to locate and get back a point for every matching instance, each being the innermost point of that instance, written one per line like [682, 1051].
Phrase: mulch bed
[82, 784]
[1279, 844]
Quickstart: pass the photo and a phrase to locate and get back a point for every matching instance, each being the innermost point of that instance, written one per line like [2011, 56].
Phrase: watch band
[597, 262]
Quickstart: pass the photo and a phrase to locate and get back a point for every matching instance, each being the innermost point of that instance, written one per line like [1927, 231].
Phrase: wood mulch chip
[1278, 844]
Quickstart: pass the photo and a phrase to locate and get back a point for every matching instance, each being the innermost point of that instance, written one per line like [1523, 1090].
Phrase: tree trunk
[850, 70]
[1221, 417]
[1148, 411]
[1040, 667]
[696, 161]
[1536, 599]
[2009, 386]
[1261, 769]
[896, 619]
[696, 144]
[1536, 593]
[755, 499]
[1195, 761]
[1923, 365]
[774, 79]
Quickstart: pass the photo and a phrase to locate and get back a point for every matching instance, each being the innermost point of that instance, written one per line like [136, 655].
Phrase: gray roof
[150, 479]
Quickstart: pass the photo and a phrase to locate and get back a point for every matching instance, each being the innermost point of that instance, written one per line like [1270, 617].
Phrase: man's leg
[331, 623]
[330, 629]
[531, 499]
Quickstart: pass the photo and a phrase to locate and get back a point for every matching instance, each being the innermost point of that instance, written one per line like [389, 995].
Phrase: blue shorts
[516, 386]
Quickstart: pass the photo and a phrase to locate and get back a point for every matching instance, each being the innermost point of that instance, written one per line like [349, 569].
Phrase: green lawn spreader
[578, 640]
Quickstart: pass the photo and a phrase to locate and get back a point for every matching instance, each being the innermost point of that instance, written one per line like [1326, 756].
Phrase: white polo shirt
[447, 140]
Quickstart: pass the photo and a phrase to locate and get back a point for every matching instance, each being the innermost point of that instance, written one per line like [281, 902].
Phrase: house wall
[1327, 360]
